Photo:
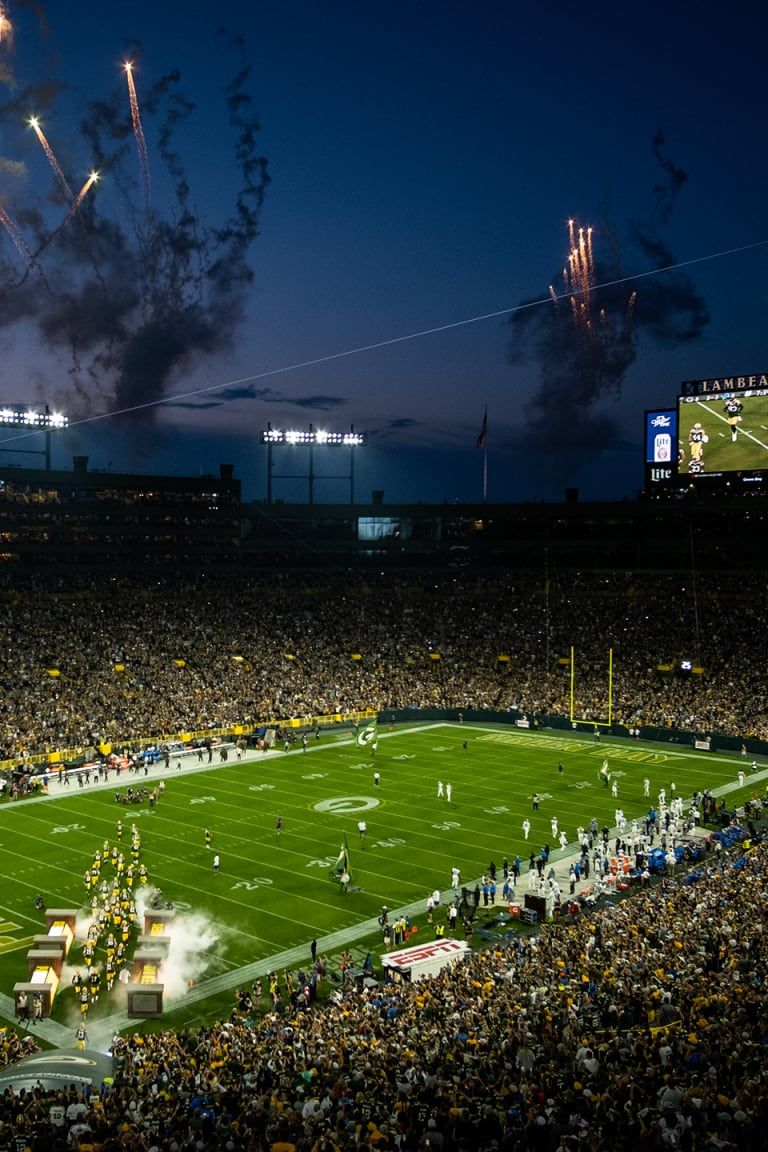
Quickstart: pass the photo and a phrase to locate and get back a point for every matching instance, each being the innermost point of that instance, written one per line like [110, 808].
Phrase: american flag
[484, 429]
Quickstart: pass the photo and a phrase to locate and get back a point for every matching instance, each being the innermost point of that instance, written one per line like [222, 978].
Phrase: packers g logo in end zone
[367, 736]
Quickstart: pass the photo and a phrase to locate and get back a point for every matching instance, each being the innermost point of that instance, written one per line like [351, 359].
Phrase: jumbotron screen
[723, 431]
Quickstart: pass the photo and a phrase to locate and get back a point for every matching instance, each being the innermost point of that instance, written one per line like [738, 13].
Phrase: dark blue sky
[423, 162]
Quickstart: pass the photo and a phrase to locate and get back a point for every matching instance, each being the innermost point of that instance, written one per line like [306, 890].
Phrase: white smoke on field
[194, 941]
[85, 918]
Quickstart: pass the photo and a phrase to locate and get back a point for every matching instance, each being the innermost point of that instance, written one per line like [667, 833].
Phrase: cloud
[17, 169]
[319, 402]
[267, 396]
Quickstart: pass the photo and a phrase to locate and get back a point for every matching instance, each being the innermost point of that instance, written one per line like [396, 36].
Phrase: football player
[697, 438]
[733, 408]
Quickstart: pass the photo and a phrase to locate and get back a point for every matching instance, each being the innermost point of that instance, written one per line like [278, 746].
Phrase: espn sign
[425, 959]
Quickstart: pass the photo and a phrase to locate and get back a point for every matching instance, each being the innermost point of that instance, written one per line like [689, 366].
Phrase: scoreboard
[717, 432]
[728, 423]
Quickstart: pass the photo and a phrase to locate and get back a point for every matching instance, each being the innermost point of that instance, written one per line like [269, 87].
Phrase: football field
[274, 891]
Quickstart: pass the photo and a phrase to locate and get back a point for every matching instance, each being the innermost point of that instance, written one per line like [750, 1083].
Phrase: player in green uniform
[733, 408]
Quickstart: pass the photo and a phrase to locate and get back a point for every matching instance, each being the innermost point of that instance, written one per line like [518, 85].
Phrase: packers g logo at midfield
[339, 805]
[367, 736]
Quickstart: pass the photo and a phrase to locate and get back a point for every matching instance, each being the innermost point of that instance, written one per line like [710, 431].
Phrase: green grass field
[274, 892]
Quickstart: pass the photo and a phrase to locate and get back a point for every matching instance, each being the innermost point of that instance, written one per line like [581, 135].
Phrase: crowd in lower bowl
[641, 1025]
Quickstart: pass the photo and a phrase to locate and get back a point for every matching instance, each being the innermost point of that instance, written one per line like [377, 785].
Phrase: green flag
[342, 864]
[368, 735]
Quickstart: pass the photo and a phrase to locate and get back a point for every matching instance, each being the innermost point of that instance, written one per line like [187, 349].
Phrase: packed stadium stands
[87, 661]
[640, 1025]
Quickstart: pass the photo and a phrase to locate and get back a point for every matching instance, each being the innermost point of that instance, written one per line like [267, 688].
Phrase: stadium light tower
[33, 420]
[312, 438]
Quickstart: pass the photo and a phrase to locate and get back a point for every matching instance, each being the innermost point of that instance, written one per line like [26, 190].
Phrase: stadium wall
[71, 757]
[718, 742]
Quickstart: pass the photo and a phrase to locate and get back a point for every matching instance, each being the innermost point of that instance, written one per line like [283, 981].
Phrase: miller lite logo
[662, 448]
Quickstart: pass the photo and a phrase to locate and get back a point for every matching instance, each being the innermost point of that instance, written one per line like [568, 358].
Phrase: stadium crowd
[88, 661]
[642, 1025]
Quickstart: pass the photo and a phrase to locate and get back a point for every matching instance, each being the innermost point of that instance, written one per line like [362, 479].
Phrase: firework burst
[6, 28]
[578, 278]
[592, 321]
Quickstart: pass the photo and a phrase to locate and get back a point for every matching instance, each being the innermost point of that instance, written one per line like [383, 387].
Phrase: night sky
[307, 180]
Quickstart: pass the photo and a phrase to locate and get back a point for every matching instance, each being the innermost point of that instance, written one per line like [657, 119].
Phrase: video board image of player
[724, 432]
[697, 438]
[733, 407]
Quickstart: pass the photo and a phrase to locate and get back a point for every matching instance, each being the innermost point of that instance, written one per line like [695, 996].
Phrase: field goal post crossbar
[575, 720]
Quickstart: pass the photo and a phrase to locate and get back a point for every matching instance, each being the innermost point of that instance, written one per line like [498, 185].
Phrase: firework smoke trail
[138, 131]
[33, 123]
[94, 176]
[13, 231]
